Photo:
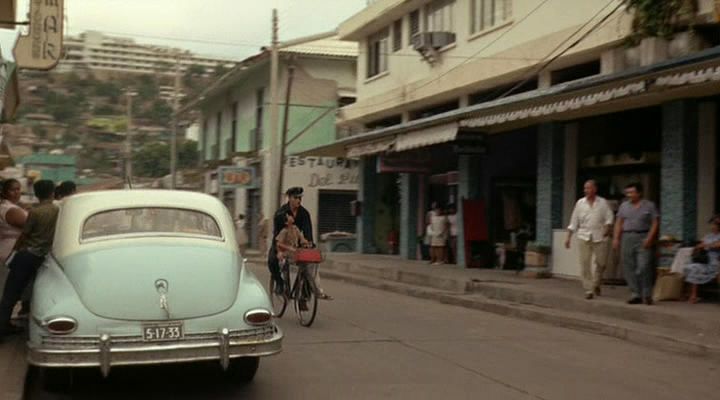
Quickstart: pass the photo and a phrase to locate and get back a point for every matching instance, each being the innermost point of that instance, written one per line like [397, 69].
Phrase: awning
[426, 137]
[366, 149]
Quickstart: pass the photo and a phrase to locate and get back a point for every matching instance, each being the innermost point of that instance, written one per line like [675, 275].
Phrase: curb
[527, 312]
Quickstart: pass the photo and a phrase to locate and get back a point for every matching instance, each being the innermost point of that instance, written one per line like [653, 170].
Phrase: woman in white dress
[12, 217]
[438, 236]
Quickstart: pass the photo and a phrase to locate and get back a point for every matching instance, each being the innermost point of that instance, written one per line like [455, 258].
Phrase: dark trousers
[22, 271]
[274, 265]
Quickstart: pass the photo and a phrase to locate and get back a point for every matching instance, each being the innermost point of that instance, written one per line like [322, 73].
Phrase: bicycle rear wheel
[307, 294]
[279, 301]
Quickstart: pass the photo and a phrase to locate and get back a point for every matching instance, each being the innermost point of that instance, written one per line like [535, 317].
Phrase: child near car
[289, 239]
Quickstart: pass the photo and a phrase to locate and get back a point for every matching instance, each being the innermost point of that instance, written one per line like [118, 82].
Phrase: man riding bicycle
[302, 220]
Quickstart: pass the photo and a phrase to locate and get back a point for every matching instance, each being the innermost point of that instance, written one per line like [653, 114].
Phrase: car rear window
[150, 220]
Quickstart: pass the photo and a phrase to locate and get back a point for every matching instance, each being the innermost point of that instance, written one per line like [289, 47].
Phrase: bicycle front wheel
[279, 301]
[306, 302]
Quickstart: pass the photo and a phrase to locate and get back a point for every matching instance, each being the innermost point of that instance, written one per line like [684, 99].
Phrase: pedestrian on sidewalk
[438, 230]
[700, 272]
[592, 220]
[241, 235]
[12, 217]
[31, 249]
[635, 232]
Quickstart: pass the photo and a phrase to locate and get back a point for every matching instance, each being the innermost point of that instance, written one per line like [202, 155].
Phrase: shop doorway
[334, 212]
[387, 213]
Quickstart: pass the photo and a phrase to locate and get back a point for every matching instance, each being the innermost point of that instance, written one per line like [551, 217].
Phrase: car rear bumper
[106, 351]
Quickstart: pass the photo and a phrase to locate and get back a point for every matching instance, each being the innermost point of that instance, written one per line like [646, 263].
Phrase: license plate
[164, 332]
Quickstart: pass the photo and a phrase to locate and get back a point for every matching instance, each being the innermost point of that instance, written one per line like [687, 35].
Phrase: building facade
[109, 54]
[235, 131]
[485, 105]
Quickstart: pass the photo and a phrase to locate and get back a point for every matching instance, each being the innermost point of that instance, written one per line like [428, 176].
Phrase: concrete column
[368, 196]
[570, 190]
[550, 175]
[706, 157]
[468, 188]
[678, 178]
[409, 203]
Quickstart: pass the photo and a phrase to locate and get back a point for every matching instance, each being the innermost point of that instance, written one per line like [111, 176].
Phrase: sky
[232, 29]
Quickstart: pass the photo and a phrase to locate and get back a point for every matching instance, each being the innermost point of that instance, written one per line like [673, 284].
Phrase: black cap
[294, 191]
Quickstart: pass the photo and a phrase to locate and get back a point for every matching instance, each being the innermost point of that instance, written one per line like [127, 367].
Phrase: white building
[98, 52]
[235, 130]
[507, 106]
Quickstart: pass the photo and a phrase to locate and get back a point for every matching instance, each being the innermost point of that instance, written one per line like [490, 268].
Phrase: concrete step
[530, 293]
[663, 339]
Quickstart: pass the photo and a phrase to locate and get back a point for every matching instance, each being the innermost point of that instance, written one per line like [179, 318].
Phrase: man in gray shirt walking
[636, 229]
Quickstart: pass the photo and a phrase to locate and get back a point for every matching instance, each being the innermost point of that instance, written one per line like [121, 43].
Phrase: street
[372, 344]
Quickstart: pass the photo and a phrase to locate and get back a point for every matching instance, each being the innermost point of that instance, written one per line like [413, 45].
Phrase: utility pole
[173, 138]
[274, 150]
[128, 138]
[286, 120]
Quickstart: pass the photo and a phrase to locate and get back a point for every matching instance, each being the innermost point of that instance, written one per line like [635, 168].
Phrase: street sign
[42, 48]
[237, 177]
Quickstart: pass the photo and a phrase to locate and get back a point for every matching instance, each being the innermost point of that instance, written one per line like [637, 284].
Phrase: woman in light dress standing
[12, 217]
[438, 231]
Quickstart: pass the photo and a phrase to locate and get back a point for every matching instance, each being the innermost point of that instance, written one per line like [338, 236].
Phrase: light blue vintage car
[140, 277]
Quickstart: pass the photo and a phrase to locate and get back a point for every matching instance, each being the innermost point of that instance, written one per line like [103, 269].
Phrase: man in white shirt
[592, 219]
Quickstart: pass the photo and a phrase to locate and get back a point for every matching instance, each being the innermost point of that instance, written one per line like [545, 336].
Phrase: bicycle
[303, 292]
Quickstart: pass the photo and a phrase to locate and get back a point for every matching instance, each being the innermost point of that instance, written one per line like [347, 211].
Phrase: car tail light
[258, 317]
[61, 325]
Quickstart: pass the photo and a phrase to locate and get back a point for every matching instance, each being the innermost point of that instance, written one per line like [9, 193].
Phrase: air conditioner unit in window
[428, 43]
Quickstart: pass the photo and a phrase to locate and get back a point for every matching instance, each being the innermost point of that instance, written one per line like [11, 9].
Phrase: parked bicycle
[303, 292]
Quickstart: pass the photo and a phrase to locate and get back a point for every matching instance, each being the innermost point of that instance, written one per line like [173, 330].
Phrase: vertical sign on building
[42, 47]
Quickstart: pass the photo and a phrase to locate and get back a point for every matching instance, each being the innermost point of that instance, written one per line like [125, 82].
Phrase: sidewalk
[671, 326]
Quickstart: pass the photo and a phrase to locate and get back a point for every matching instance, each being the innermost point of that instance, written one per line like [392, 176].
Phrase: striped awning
[367, 149]
[426, 137]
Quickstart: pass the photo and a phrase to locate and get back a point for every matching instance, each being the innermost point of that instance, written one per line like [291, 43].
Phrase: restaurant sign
[236, 177]
[41, 49]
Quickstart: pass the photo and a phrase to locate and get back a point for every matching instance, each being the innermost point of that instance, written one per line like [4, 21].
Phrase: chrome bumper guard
[107, 351]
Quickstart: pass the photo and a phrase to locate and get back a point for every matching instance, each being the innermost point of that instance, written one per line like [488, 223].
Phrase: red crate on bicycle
[308, 256]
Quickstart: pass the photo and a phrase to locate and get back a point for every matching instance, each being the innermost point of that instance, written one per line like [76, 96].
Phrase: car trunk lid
[154, 282]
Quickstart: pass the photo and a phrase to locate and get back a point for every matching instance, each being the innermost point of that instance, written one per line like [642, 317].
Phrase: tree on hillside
[153, 160]
[160, 113]
[220, 70]
[147, 88]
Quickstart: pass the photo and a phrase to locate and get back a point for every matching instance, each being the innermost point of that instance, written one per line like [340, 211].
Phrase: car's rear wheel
[243, 369]
[56, 380]
[279, 301]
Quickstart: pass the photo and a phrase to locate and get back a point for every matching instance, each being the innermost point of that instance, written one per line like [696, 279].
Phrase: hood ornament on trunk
[161, 285]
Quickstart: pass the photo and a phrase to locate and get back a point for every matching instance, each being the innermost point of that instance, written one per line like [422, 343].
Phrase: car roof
[77, 208]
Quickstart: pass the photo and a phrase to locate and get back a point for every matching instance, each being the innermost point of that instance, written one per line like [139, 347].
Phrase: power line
[575, 43]
[326, 47]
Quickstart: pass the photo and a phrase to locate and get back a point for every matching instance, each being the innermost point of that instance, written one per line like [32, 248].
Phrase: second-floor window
[439, 16]
[377, 54]
[487, 14]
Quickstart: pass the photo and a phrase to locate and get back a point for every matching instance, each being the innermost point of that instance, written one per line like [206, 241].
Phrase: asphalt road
[369, 344]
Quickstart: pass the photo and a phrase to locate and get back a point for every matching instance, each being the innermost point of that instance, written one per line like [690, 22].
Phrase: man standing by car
[31, 249]
[636, 228]
[592, 221]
